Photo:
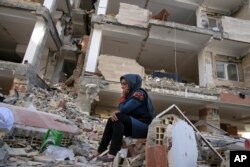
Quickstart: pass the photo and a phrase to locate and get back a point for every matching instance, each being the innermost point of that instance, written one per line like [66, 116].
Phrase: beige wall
[246, 69]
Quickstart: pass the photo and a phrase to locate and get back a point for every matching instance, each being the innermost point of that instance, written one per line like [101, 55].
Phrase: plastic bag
[59, 153]
[6, 118]
[52, 137]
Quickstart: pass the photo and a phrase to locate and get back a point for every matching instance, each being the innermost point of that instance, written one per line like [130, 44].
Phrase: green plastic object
[52, 137]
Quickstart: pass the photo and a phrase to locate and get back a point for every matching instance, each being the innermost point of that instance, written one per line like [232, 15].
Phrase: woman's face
[124, 84]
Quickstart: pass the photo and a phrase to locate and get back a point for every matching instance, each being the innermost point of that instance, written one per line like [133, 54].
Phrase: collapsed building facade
[199, 45]
[39, 41]
[195, 56]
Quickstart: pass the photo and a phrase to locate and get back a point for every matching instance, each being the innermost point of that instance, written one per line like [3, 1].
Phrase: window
[213, 23]
[227, 71]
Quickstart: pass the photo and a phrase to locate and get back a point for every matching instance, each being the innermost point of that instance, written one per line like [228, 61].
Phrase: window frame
[225, 64]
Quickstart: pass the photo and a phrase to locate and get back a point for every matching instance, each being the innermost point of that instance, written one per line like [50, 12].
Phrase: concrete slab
[42, 120]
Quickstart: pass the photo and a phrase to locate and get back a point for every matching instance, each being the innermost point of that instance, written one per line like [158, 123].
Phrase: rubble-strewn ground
[60, 100]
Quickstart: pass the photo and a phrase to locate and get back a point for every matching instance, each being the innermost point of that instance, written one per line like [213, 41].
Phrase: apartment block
[39, 41]
[192, 53]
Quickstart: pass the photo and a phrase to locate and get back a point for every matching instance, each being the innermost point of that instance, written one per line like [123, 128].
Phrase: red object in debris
[156, 155]
[162, 15]
[61, 104]
[247, 144]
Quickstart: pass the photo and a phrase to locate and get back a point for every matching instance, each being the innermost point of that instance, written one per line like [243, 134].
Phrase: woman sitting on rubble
[132, 119]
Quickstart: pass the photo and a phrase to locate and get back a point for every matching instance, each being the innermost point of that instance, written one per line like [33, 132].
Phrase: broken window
[227, 71]
[213, 23]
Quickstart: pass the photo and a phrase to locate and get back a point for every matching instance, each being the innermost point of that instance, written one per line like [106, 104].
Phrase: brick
[234, 99]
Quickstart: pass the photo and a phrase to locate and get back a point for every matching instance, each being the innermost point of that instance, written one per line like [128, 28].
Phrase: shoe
[106, 158]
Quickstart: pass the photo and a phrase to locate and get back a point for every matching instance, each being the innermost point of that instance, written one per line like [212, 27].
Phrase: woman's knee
[109, 121]
[121, 116]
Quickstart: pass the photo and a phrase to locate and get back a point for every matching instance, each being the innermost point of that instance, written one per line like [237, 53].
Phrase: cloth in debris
[6, 118]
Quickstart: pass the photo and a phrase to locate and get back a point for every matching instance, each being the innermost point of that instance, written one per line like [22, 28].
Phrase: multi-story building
[39, 41]
[202, 44]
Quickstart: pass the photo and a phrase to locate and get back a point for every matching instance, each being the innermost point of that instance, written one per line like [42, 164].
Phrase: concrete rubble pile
[165, 145]
[169, 86]
[58, 101]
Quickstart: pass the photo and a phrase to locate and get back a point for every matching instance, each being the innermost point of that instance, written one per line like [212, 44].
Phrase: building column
[202, 69]
[43, 63]
[94, 50]
[206, 71]
[88, 93]
[38, 38]
[246, 69]
[50, 66]
[58, 67]
[209, 114]
[102, 7]
[201, 18]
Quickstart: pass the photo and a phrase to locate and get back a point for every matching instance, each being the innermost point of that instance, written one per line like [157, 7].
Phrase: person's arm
[137, 100]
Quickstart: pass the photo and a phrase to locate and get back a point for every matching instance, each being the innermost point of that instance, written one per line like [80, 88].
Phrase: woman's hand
[113, 116]
[125, 91]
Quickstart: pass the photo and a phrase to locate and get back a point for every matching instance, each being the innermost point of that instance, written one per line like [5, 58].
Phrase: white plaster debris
[113, 67]
[133, 15]
[184, 146]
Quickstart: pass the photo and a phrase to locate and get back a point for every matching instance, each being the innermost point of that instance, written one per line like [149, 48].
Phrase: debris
[113, 67]
[14, 151]
[53, 137]
[12, 99]
[128, 12]
[162, 15]
[59, 153]
[3, 155]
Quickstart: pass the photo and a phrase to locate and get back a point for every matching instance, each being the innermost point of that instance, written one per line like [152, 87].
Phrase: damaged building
[191, 53]
[194, 54]
[39, 41]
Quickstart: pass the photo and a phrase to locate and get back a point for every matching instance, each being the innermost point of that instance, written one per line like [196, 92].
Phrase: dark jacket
[138, 106]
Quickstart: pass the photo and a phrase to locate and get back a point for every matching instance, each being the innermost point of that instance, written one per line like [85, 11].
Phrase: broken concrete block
[3, 155]
[181, 143]
[134, 146]
[43, 158]
[113, 67]
[137, 160]
[133, 15]
[234, 31]
[156, 155]
[14, 151]
[78, 151]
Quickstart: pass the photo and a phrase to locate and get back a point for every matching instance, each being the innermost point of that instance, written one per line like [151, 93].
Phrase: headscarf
[134, 82]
